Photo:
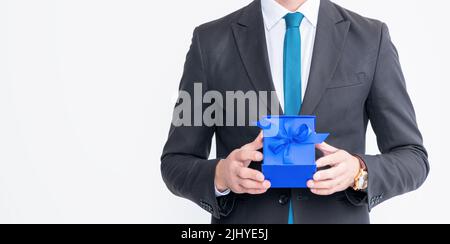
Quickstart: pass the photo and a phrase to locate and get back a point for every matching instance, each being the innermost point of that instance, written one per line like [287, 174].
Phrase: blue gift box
[289, 150]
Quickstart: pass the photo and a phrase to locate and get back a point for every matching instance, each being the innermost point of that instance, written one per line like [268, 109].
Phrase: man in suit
[320, 59]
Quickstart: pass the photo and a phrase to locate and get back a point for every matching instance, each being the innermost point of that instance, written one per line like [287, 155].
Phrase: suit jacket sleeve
[185, 167]
[403, 165]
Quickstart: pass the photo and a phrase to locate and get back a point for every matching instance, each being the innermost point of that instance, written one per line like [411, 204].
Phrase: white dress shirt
[275, 29]
[275, 26]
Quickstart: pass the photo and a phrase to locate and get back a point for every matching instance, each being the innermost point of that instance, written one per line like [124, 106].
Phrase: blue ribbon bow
[290, 133]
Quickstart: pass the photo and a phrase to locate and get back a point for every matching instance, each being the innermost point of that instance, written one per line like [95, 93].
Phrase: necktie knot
[293, 20]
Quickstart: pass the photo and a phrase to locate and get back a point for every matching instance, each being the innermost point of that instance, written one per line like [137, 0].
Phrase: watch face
[361, 182]
[365, 181]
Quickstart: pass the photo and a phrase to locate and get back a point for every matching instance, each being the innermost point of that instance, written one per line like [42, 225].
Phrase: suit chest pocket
[357, 79]
[345, 98]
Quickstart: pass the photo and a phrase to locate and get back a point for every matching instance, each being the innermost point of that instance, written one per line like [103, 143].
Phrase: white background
[87, 88]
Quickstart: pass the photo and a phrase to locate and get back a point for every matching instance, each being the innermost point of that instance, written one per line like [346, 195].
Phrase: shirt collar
[273, 12]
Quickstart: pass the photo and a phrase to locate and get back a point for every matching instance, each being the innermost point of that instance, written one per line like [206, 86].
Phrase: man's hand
[344, 168]
[233, 173]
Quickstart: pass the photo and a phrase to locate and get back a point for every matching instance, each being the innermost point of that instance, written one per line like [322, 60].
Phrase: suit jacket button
[283, 200]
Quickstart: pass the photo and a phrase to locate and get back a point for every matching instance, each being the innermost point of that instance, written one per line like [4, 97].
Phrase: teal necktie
[292, 73]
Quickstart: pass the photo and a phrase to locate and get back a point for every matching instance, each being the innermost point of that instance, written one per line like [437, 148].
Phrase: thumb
[256, 144]
[326, 149]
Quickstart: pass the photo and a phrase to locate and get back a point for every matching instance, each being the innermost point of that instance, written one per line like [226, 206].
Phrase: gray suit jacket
[355, 78]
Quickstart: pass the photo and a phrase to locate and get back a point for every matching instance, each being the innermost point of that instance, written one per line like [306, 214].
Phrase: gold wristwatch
[362, 179]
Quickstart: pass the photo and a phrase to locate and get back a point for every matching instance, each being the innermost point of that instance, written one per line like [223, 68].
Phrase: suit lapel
[250, 38]
[331, 34]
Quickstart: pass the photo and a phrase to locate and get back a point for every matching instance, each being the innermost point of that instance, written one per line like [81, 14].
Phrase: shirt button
[283, 200]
